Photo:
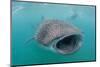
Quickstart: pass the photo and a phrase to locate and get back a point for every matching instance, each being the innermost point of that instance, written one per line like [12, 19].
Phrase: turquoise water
[26, 18]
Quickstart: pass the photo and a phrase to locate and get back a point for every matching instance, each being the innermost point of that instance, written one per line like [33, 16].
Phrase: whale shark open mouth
[69, 44]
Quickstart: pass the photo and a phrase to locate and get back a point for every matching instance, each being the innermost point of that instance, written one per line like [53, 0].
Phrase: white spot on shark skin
[17, 9]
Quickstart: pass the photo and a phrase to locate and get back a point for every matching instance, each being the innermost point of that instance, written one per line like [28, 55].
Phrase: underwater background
[26, 18]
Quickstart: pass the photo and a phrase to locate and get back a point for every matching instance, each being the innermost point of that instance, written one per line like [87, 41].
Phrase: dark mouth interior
[69, 43]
